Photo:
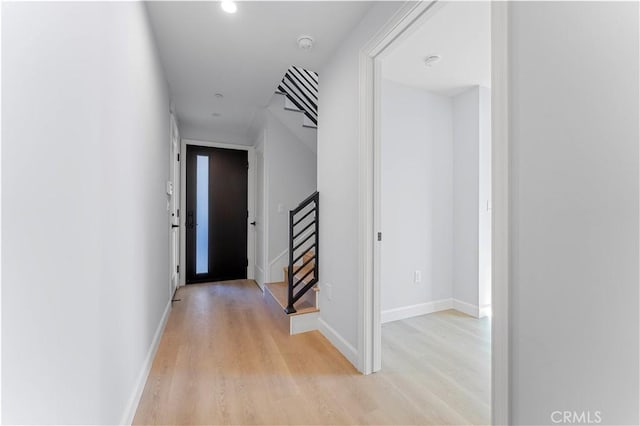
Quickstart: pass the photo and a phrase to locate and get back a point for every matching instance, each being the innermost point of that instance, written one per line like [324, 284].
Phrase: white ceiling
[243, 56]
[458, 31]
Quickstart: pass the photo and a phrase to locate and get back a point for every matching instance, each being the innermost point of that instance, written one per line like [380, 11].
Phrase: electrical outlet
[329, 288]
[417, 277]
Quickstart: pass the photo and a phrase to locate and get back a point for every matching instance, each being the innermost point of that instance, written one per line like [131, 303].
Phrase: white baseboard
[259, 277]
[339, 342]
[466, 308]
[134, 400]
[415, 310]
[485, 311]
[303, 323]
[435, 306]
[276, 274]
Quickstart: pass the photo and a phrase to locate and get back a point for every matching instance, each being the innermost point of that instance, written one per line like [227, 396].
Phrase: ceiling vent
[305, 42]
[431, 60]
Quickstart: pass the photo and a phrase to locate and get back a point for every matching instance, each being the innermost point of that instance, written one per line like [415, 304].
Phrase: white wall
[436, 178]
[466, 166]
[292, 178]
[287, 175]
[338, 118]
[85, 229]
[417, 188]
[472, 196]
[574, 219]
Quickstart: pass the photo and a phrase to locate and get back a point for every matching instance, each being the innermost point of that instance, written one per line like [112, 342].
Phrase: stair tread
[301, 273]
[279, 291]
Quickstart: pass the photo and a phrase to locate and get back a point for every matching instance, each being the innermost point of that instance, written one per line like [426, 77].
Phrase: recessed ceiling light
[431, 60]
[219, 95]
[229, 6]
[305, 42]
[216, 114]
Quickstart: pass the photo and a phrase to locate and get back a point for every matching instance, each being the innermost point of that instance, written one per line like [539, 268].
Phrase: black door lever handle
[253, 223]
[174, 226]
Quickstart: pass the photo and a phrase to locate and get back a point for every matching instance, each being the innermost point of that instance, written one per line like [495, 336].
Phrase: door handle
[253, 223]
[174, 226]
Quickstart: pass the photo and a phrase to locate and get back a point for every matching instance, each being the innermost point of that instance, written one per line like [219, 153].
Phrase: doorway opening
[216, 214]
[420, 211]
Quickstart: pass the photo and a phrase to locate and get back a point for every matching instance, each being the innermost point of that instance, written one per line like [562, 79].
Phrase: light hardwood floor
[226, 358]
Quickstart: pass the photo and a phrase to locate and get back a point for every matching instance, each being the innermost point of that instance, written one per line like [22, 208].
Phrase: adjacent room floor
[226, 358]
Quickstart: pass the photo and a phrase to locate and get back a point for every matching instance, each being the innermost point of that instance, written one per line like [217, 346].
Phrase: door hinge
[178, 269]
[178, 156]
[379, 236]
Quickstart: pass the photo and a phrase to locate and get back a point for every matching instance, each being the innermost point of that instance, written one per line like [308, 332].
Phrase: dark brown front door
[216, 220]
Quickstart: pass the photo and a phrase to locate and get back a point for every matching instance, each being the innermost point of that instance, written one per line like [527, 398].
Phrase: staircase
[297, 294]
[295, 104]
[294, 121]
[300, 86]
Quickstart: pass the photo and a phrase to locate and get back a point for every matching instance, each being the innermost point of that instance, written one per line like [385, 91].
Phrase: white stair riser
[290, 105]
[308, 123]
[303, 323]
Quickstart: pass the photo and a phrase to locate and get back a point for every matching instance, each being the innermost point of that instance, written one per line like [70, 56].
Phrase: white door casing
[173, 191]
[369, 322]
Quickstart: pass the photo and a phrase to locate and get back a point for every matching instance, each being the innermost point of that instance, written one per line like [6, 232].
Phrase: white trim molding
[260, 277]
[368, 357]
[484, 311]
[338, 341]
[134, 399]
[411, 311]
[280, 261]
[466, 308]
[303, 323]
[369, 321]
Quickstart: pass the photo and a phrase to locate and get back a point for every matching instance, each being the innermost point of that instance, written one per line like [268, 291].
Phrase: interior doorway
[216, 214]
[173, 192]
[428, 207]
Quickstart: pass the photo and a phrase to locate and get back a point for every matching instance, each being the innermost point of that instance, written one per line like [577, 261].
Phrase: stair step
[308, 123]
[308, 255]
[302, 272]
[305, 305]
[288, 105]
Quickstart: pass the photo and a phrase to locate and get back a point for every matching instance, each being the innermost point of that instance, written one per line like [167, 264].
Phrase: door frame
[251, 200]
[409, 17]
[174, 201]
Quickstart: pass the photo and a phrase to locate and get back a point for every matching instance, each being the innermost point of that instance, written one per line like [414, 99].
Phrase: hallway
[226, 358]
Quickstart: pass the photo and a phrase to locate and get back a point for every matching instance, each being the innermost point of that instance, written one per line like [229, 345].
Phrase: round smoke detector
[431, 60]
[305, 42]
